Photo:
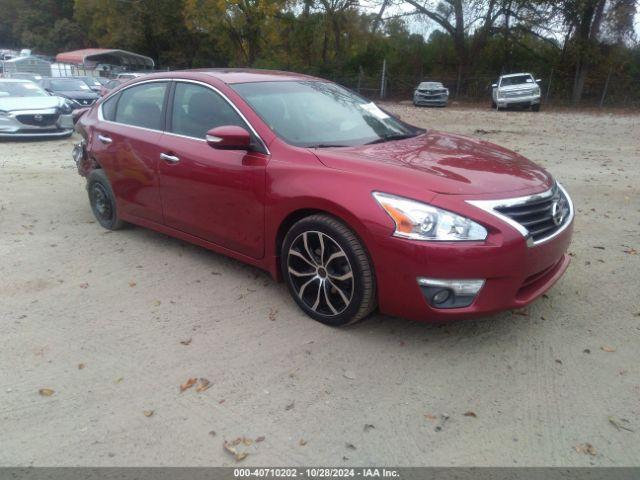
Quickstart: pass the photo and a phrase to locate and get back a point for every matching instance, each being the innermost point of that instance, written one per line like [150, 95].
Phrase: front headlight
[66, 107]
[419, 221]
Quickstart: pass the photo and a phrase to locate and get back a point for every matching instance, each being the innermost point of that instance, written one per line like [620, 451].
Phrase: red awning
[104, 55]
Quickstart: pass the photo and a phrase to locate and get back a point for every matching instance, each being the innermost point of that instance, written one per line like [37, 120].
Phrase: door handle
[169, 158]
[104, 139]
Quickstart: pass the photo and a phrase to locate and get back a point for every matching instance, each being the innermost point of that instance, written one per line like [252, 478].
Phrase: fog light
[442, 293]
[441, 296]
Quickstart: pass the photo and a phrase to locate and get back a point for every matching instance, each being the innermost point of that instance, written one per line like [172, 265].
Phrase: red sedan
[353, 208]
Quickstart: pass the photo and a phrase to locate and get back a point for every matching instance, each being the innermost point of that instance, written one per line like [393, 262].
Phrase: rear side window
[109, 108]
[141, 106]
[198, 109]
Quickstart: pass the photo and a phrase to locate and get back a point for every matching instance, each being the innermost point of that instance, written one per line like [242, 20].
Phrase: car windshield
[90, 81]
[430, 85]
[21, 89]
[321, 114]
[68, 85]
[517, 80]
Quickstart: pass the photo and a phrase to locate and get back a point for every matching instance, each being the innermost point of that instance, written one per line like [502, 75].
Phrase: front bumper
[514, 273]
[518, 101]
[35, 124]
[431, 100]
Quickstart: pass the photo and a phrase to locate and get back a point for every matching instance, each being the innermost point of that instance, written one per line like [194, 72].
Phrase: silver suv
[516, 89]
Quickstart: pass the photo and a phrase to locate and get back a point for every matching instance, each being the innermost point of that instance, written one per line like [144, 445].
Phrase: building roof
[104, 55]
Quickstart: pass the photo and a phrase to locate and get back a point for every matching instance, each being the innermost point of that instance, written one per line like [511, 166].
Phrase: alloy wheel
[101, 202]
[320, 272]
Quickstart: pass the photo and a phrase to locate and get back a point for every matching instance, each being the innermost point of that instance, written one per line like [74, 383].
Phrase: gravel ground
[114, 323]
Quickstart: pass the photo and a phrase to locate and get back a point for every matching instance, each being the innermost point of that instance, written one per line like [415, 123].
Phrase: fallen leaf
[350, 446]
[157, 303]
[247, 441]
[84, 285]
[203, 385]
[470, 414]
[188, 384]
[148, 413]
[368, 426]
[430, 417]
[608, 349]
[185, 342]
[230, 447]
[46, 392]
[302, 442]
[290, 406]
[619, 423]
[443, 419]
[586, 448]
[212, 433]
[132, 284]
[349, 375]
[81, 366]
[273, 313]
[118, 380]
[260, 439]
[631, 251]
[221, 401]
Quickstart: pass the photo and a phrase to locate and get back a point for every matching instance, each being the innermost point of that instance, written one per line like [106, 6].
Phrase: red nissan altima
[352, 207]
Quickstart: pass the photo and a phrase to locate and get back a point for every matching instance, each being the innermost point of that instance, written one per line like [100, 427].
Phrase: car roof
[245, 75]
[515, 75]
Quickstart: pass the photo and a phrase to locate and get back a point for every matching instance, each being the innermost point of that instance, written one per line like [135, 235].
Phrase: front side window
[109, 108]
[141, 105]
[198, 109]
[321, 114]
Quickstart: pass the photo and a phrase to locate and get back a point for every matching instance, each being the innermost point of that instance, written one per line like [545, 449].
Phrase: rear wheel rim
[101, 203]
[320, 273]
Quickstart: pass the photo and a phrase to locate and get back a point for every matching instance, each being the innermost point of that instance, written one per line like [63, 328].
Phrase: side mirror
[494, 85]
[538, 80]
[229, 137]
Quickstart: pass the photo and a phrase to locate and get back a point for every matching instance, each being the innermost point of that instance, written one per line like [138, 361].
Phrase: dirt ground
[114, 323]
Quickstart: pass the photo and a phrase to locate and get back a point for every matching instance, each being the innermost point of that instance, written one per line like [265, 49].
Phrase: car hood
[443, 163]
[9, 104]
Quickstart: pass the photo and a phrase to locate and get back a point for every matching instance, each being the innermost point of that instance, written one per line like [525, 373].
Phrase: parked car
[432, 94]
[26, 110]
[71, 88]
[33, 77]
[516, 90]
[352, 207]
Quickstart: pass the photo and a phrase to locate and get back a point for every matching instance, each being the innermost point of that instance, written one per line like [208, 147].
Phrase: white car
[26, 110]
[516, 90]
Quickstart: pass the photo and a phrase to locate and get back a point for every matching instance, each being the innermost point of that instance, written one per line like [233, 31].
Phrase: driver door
[216, 195]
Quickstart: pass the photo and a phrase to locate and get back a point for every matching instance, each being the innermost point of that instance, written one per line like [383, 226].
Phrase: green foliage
[338, 39]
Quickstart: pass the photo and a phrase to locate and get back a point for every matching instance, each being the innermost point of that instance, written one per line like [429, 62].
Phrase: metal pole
[382, 80]
[606, 86]
[546, 98]
[359, 78]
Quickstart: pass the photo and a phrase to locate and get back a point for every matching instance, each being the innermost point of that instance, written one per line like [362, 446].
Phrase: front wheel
[328, 271]
[535, 107]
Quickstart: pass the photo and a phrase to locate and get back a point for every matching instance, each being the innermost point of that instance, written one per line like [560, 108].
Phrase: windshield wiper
[387, 138]
[324, 145]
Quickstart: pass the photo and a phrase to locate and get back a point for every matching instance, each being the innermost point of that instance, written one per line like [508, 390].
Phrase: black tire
[535, 108]
[334, 282]
[493, 104]
[102, 200]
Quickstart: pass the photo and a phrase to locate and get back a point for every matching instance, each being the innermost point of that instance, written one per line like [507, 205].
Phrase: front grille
[432, 92]
[38, 120]
[540, 215]
[519, 93]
